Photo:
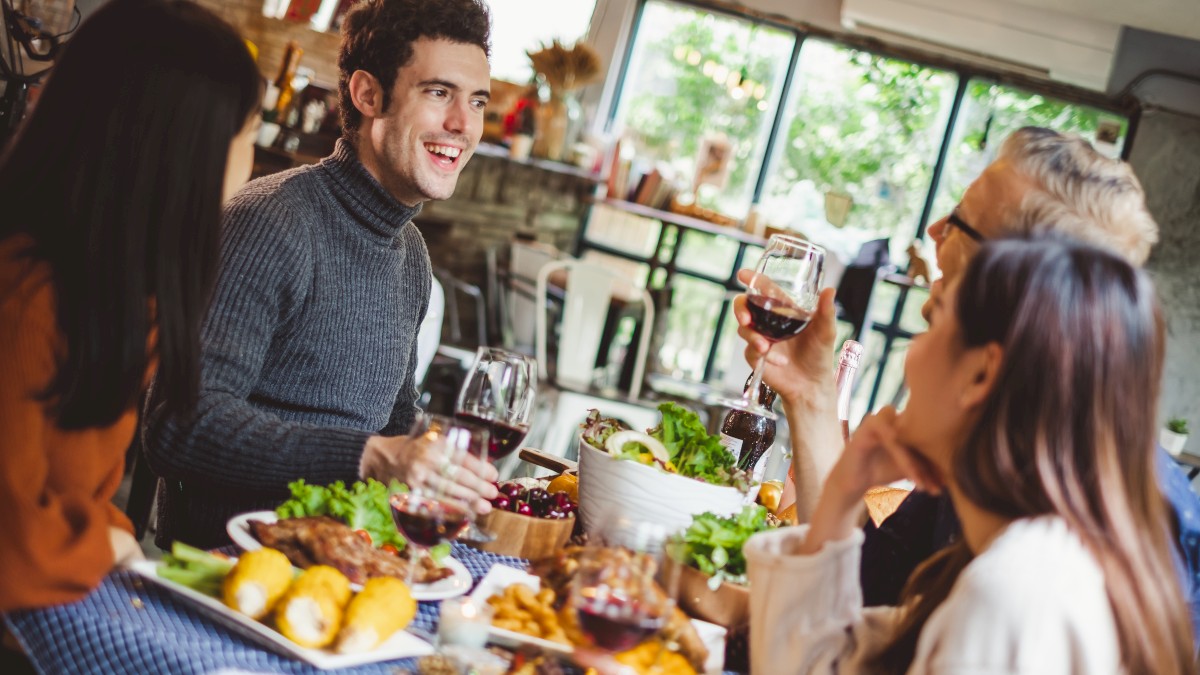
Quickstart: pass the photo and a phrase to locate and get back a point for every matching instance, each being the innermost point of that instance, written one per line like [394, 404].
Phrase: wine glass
[781, 296]
[615, 596]
[427, 517]
[498, 393]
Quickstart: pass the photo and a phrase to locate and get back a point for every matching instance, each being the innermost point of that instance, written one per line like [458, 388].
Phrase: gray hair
[1079, 193]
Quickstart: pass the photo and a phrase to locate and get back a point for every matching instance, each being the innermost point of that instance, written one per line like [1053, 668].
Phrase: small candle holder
[464, 622]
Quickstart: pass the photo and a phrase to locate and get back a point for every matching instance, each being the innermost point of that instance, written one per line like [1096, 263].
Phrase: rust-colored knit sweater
[55, 485]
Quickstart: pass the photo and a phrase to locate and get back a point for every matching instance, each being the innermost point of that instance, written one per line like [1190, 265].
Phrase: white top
[1032, 602]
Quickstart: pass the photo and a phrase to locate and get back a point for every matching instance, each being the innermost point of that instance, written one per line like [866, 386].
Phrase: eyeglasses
[961, 224]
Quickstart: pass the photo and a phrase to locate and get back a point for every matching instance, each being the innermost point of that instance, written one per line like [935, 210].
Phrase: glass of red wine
[425, 522]
[454, 441]
[498, 393]
[615, 596]
[781, 297]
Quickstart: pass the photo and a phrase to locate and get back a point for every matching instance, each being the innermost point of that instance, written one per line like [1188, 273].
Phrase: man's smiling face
[434, 121]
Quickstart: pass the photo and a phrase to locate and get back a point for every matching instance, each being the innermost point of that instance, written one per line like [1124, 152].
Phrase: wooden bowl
[525, 536]
[728, 606]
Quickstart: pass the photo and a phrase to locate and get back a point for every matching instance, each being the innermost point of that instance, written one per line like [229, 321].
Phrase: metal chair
[587, 293]
[857, 286]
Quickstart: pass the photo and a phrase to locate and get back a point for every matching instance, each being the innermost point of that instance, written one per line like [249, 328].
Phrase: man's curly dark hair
[377, 37]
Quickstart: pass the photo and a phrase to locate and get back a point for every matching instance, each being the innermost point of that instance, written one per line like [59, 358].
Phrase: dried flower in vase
[566, 68]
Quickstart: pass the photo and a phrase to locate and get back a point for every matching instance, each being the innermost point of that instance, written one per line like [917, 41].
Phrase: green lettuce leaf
[362, 506]
[713, 544]
[693, 451]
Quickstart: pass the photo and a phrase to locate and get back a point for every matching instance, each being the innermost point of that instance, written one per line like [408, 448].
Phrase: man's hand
[799, 368]
[421, 465]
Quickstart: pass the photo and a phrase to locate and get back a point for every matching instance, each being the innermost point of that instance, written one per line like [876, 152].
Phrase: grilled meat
[322, 540]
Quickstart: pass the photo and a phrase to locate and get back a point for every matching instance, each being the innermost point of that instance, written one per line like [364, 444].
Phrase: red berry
[524, 509]
[501, 503]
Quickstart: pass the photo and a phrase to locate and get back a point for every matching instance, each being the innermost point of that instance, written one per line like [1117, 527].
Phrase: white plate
[452, 586]
[401, 645]
[497, 579]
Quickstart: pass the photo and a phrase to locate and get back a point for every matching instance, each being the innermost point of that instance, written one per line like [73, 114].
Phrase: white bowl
[611, 488]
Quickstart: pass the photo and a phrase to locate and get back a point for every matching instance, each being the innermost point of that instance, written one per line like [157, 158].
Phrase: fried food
[384, 606]
[653, 658]
[558, 574]
[310, 613]
[257, 582]
[520, 609]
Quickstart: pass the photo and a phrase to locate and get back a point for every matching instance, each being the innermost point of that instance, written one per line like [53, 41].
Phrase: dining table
[129, 625]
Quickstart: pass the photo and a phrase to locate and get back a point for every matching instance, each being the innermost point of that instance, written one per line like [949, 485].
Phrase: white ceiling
[1174, 17]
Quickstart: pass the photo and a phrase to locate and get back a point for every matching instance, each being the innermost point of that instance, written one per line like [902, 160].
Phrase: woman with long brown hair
[1033, 404]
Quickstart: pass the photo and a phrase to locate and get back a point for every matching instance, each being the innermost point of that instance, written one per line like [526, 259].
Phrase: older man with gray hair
[1041, 181]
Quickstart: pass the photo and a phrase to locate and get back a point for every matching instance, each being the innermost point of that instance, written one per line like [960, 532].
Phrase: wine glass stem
[413, 555]
[750, 396]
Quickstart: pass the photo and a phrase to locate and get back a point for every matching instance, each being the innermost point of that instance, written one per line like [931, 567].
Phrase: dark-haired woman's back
[59, 538]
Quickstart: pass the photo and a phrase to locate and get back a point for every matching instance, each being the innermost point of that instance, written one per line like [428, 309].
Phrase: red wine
[504, 437]
[776, 320]
[616, 625]
[427, 522]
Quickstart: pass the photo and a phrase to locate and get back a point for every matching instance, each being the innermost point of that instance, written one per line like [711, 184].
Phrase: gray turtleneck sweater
[308, 348]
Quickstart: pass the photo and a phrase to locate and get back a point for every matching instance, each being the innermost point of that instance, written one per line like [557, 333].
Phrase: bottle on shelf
[283, 81]
[848, 362]
[748, 436]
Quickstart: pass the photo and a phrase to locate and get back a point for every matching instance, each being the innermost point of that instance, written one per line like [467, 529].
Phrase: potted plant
[1174, 436]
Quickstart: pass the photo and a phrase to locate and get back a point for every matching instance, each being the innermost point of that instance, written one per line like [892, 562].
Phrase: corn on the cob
[383, 607]
[257, 582]
[310, 613]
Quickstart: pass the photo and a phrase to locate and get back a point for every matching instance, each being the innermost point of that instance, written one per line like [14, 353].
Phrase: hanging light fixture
[737, 83]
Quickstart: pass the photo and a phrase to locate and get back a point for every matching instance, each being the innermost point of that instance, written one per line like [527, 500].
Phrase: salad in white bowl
[667, 474]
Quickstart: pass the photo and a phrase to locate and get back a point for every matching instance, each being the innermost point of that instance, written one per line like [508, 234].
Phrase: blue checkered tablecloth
[130, 626]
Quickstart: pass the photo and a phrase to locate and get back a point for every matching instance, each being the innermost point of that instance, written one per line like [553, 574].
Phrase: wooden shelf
[685, 221]
[500, 152]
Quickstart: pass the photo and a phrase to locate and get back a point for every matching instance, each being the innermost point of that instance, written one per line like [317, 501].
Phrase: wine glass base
[749, 407]
[474, 535]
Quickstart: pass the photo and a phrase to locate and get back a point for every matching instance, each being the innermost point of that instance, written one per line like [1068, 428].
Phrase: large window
[696, 79]
[862, 129]
[853, 156]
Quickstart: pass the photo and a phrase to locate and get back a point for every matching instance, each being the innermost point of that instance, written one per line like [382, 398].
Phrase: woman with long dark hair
[111, 197]
[1033, 404]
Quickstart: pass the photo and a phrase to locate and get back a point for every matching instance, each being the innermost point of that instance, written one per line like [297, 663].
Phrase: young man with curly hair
[310, 343]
